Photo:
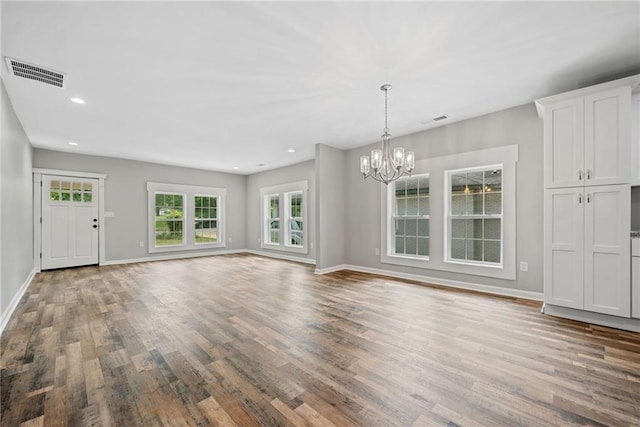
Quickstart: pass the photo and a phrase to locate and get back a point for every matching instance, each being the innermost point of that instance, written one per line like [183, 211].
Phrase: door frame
[37, 211]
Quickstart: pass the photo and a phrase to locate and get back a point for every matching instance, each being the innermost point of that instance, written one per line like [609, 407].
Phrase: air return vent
[35, 72]
[439, 118]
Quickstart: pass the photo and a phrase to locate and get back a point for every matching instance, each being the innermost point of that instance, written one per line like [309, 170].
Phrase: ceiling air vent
[439, 118]
[35, 72]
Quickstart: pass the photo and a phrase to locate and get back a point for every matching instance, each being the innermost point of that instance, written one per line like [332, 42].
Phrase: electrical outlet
[142, 243]
[377, 251]
[524, 266]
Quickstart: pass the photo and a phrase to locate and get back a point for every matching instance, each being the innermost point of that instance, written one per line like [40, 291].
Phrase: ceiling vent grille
[439, 118]
[35, 72]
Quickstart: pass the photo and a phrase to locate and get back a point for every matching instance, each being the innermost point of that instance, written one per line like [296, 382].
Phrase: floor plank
[243, 340]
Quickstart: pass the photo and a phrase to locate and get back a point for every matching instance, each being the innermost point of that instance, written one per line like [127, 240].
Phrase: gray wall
[126, 196]
[519, 125]
[16, 204]
[300, 172]
[330, 202]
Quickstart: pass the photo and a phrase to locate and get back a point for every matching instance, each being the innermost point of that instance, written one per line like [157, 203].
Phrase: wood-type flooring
[246, 340]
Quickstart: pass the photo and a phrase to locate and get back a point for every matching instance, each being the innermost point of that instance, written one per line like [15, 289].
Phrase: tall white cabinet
[587, 211]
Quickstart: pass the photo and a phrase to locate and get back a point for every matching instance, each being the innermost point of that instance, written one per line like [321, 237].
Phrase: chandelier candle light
[382, 166]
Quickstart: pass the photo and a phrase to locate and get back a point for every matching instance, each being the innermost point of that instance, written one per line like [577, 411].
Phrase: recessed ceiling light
[236, 167]
[75, 144]
[291, 150]
[77, 100]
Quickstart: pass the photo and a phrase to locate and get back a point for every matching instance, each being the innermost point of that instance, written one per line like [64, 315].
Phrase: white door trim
[37, 211]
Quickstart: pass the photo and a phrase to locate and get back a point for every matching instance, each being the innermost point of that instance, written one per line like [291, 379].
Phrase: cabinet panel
[606, 250]
[635, 287]
[564, 247]
[635, 139]
[607, 137]
[564, 144]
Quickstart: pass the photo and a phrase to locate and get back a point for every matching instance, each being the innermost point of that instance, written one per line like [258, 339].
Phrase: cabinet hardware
[588, 173]
[580, 175]
[580, 198]
[589, 198]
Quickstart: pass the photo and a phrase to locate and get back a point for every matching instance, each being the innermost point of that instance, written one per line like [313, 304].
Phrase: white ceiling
[215, 85]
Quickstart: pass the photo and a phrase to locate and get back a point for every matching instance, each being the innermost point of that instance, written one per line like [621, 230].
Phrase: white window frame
[177, 246]
[189, 193]
[216, 219]
[267, 220]
[449, 217]
[288, 219]
[391, 256]
[284, 193]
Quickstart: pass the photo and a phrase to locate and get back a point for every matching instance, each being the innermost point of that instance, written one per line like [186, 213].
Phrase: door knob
[95, 219]
[95, 225]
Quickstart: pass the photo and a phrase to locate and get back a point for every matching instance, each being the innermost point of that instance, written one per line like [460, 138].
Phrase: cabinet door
[564, 144]
[607, 137]
[635, 139]
[607, 250]
[635, 287]
[563, 247]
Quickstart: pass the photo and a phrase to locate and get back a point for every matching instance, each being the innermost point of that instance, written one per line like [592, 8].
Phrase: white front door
[69, 221]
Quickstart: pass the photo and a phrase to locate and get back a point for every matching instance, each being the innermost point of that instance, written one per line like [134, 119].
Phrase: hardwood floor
[245, 340]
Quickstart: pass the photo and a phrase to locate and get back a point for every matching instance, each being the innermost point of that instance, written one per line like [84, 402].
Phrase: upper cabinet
[587, 135]
[635, 139]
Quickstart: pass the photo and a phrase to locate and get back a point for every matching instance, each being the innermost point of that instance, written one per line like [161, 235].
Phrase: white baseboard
[332, 269]
[280, 256]
[624, 323]
[4, 318]
[536, 296]
[172, 256]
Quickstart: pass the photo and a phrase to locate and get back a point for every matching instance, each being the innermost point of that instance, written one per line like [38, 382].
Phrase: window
[206, 219]
[475, 215]
[409, 217]
[67, 191]
[284, 213]
[464, 209]
[185, 217]
[169, 209]
[273, 219]
[295, 220]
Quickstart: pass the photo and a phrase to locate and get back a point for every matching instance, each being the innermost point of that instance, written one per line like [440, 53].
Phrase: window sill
[475, 264]
[183, 248]
[404, 260]
[284, 248]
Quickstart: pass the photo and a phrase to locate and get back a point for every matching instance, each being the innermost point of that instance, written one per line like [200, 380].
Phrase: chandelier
[383, 166]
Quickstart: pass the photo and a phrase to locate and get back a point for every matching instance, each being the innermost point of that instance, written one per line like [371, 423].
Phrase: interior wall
[126, 197]
[299, 172]
[519, 125]
[330, 202]
[16, 205]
